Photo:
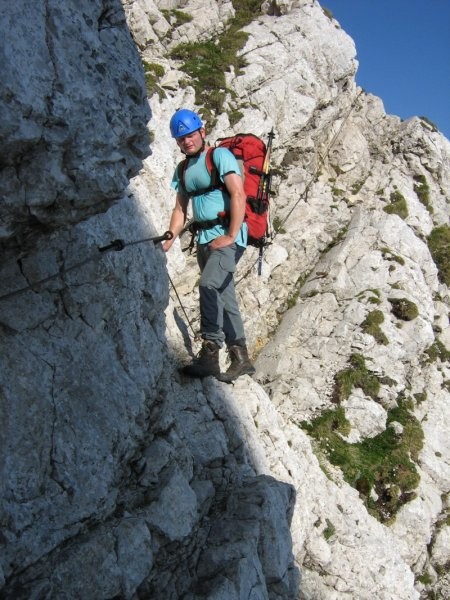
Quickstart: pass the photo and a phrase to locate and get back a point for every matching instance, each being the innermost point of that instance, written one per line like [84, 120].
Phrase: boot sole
[230, 378]
[197, 374]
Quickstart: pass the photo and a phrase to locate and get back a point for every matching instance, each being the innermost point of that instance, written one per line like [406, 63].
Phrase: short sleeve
[225, 162]
[176, 182]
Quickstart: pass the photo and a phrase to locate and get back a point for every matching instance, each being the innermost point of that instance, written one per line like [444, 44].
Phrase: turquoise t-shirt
[205, 207]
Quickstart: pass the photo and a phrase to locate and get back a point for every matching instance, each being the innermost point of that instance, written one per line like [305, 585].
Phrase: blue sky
[403, 50]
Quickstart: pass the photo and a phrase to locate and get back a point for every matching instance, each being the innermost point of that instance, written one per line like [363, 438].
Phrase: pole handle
[167, 235]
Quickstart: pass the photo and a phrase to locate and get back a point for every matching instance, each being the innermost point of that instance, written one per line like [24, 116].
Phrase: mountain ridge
[123, 479]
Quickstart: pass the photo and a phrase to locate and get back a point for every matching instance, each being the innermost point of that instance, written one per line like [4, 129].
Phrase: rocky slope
[122, 480]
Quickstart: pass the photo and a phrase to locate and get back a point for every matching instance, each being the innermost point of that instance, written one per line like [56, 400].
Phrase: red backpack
[251, 153]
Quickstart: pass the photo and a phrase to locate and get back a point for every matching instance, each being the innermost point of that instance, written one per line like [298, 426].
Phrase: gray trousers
[219, 311]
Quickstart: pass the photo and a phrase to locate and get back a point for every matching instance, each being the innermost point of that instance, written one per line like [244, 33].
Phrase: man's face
[192, 143]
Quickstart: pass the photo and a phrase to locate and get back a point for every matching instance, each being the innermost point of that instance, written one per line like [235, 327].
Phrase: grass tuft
[207, 61]
[356, 376]
[403, 309]
[422, 190]
[371, 325]
[153, 72]
[439, 245]
[397, 206]
[381, 468]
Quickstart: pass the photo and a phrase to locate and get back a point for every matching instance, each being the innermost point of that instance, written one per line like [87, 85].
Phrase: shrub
[397, 206]
[383, 463]
[207, 61]
[439, 245]
[153, 73]
[430, 123]
[357, 376]
[371, 325]
[422, 190]
[403, 309]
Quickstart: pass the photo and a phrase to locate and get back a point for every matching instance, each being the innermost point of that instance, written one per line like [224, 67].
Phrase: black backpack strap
[182, 166]
[212, 170]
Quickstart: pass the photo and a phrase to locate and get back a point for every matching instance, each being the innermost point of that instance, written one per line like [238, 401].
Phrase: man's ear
[203, 133]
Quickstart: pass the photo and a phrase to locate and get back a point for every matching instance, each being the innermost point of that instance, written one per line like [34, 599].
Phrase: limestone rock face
[120, 478]
[73, 110]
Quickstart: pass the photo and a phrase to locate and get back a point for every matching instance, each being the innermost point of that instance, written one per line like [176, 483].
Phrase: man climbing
[220, 245]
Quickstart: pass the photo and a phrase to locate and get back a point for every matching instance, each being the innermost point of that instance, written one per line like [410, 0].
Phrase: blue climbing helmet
[183, 122]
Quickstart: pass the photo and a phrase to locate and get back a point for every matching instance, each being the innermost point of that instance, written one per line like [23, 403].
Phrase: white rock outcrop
[122, 479]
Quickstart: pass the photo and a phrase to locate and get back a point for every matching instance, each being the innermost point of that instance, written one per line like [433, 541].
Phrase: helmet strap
[197, 154]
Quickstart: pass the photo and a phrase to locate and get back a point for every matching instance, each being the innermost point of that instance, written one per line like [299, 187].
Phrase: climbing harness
[194, 227]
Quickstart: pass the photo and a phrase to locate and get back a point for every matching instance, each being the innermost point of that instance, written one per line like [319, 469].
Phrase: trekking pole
[264, 191]
[116, 245]
[119, 245]
[189, 322]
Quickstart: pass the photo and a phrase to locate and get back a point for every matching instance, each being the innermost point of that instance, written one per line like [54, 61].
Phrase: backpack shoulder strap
[211, 168]
[209, 159]
[181, 168]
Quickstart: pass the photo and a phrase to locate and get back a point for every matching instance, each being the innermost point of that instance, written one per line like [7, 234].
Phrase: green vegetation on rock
[153, 73]
[327, 12]
[397, 206]
[356, 376]
[427, 121]
[207, 61]
[389, 255]
[329, 530]
[437, 351]
[277, 225]
[381, 468]
[422, 190]
[176, 17]
[371, 325]
[403, 309]
[439, 245]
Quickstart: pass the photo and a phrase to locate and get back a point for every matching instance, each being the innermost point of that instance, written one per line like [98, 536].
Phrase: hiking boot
[206, 363]
[240, 364]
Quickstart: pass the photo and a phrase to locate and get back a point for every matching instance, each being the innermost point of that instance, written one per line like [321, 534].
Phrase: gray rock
[121, 479]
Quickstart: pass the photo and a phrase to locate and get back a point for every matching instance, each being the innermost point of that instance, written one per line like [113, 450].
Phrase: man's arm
[177, 220]
[235, 188]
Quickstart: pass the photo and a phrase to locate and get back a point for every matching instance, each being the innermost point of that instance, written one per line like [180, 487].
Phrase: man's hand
[167, 244]
[221, 242]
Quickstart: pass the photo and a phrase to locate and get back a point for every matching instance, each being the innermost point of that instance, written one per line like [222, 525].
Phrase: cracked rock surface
[119, 477]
